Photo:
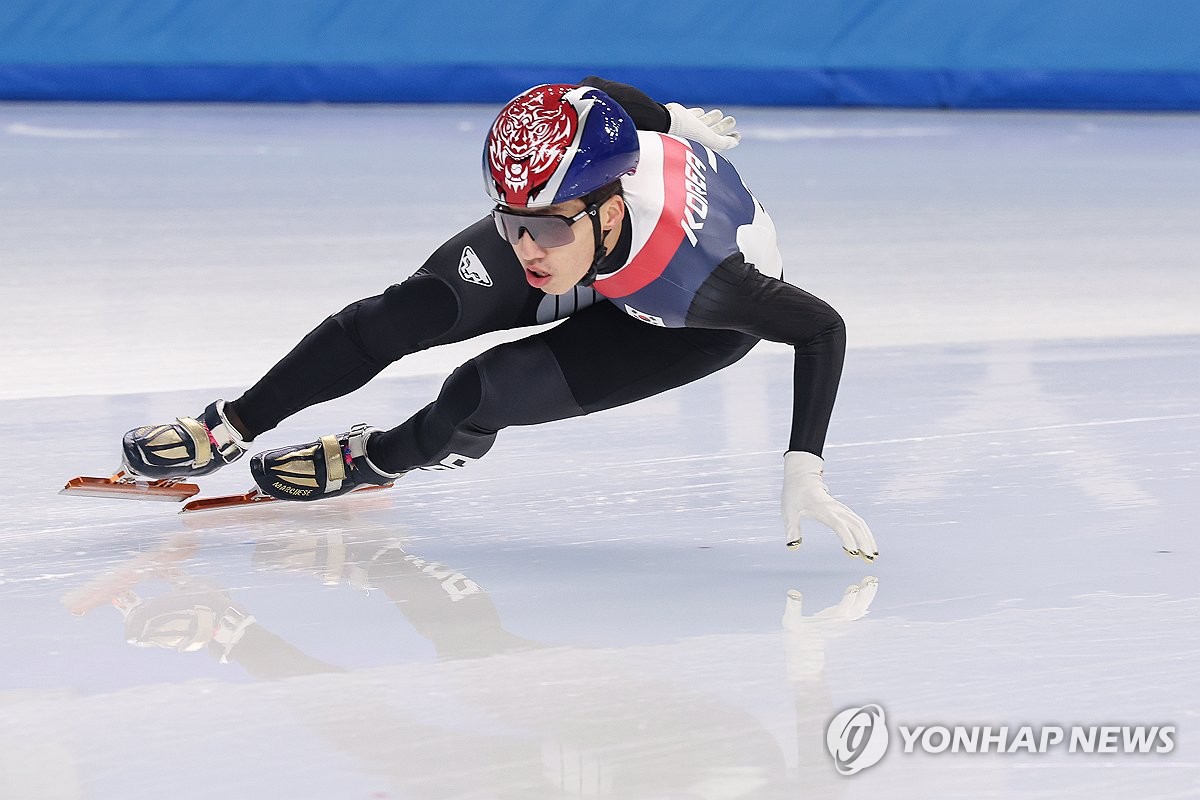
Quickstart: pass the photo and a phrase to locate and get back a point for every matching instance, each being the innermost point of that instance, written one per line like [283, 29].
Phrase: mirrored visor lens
[547, 231]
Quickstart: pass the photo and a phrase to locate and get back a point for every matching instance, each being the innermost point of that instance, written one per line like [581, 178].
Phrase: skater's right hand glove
[805, 495]
[710, 128]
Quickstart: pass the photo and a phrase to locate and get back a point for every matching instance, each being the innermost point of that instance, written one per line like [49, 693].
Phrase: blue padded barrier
[1105, 54]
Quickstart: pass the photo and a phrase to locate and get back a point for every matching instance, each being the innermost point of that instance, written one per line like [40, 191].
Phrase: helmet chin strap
[601, 251]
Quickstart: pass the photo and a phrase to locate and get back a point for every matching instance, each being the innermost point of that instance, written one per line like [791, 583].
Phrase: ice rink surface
[604, 607]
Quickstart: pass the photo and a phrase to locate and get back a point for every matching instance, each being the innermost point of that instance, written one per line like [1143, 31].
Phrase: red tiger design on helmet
[528, 139]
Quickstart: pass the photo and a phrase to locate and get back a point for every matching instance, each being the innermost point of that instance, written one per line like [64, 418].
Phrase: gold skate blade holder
[252, 497]
[125, 487]
[226, 501]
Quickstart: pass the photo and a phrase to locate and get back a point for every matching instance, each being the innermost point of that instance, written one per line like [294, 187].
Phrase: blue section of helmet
[608, 149]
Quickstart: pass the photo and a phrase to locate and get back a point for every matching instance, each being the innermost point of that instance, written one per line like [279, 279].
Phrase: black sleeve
[739, 297]
[647, 114]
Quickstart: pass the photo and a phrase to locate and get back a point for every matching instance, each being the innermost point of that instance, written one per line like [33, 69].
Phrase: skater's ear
[610, 200]
[612, 212]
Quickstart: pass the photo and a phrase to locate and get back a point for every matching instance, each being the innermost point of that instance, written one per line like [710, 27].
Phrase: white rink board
[920, 227]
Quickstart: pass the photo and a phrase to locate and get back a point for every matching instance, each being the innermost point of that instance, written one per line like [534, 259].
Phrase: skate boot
[328, 467]
[187, 448]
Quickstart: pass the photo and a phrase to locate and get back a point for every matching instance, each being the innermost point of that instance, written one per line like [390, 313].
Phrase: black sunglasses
[548, 230]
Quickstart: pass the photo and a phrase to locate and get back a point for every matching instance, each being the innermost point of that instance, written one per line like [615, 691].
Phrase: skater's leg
[598, 359]
[347, 350]
[517, 383]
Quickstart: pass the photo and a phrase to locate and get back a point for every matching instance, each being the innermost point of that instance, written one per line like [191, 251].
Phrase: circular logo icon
[857, 738]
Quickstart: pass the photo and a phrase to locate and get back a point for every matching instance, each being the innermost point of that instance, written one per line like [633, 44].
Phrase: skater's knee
[469, 402]
[402, 320]
[462, 394]
[521, 383]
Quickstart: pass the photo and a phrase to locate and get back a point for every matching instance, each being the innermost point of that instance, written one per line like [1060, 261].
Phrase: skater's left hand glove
[710, 128]
[805, 495]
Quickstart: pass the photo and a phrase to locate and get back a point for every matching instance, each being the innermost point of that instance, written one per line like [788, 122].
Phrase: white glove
[710, 128]
[805, 495]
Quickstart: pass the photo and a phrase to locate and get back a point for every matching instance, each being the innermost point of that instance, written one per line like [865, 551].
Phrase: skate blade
[121, 486]
[226, 501]
[253, 497]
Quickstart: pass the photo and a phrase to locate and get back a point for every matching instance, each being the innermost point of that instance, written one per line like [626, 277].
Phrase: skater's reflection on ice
[517, 716]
